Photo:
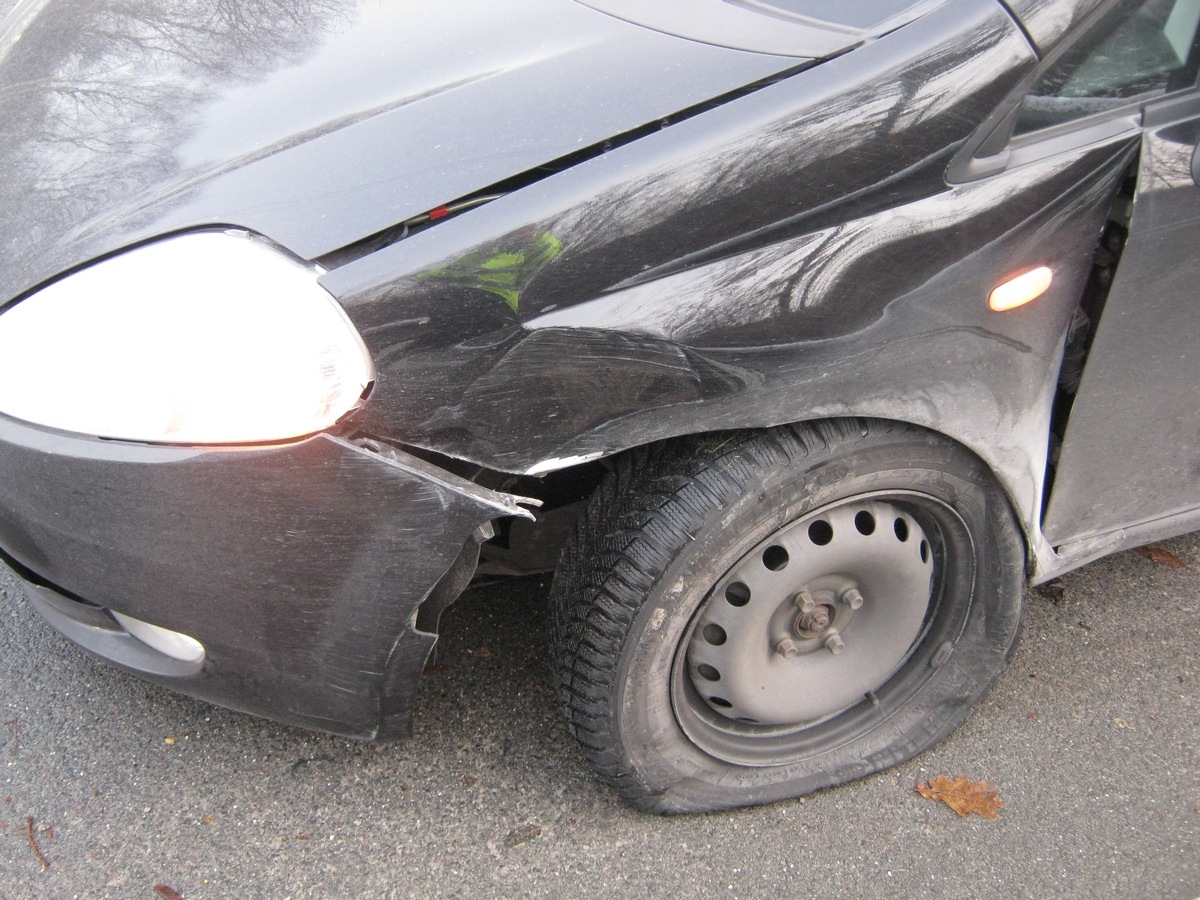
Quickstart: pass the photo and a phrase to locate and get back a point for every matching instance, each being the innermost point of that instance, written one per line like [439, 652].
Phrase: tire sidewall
[671, 768]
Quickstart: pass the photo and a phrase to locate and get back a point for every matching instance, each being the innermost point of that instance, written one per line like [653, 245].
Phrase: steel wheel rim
[821, 558]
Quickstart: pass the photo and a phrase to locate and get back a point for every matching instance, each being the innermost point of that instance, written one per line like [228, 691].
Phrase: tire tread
[654, 501]
[648, 507]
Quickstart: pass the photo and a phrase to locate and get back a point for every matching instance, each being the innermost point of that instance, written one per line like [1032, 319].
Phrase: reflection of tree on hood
[96, 94]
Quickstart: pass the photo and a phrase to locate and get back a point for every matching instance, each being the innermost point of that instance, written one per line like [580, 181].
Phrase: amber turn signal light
[1020, 289]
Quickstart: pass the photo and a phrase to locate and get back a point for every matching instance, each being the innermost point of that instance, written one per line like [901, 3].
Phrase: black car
[797, 338]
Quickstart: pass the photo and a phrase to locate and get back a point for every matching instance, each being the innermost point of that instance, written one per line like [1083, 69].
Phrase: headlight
[210, 337]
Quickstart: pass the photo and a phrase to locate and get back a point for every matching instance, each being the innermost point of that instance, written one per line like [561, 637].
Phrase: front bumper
[302, 568]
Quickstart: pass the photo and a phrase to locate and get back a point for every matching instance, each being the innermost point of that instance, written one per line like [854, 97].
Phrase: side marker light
[1020, 289]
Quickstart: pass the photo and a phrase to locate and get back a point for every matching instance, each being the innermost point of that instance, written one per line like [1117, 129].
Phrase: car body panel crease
[694, 350]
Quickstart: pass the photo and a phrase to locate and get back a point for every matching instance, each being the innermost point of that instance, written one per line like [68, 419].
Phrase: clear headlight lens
[210, 337]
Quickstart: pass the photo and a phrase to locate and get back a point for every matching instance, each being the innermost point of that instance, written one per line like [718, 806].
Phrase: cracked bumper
[300, 568]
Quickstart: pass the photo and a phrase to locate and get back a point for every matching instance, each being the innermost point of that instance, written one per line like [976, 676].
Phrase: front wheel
[750, 616]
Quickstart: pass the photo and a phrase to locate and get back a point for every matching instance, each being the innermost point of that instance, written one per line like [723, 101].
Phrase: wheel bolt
[834, 643]
[810, 624]
[852, 598]
[787, 648]
[804, 601]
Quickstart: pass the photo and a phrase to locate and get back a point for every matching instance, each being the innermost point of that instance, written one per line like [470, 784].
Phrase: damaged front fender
[301, 568]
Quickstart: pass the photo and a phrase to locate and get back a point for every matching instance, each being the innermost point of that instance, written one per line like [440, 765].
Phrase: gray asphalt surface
[1091, 738]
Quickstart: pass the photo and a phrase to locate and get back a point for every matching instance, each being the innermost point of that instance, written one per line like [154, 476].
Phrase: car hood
[314, 122]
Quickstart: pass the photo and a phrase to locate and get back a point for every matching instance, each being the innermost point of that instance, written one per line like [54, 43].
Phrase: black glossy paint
[767, 261]
[300, 568]
[315, 122]
[785, 27]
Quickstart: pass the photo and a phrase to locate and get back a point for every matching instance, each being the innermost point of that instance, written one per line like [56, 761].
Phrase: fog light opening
[170, 643]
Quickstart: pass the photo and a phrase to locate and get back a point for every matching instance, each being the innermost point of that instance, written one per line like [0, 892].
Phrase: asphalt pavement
[1091, 739]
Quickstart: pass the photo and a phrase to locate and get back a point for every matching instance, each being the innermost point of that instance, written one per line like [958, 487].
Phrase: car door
[1130, 455]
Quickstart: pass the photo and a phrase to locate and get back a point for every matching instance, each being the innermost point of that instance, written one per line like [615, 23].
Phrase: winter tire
[750, 616]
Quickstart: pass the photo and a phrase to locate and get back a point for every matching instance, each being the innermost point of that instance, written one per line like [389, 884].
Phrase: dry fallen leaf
[167, 892]
[1162, 557]
[962, 796]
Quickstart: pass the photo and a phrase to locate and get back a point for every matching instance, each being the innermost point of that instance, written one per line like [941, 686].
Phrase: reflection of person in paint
[502, 269]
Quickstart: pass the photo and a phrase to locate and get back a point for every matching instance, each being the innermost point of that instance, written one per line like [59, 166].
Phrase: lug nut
[834, 643]
[804, 601]
[852, 598]
[787, 648]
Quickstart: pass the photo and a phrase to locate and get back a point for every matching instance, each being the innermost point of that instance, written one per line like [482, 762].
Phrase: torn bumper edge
[301, 568]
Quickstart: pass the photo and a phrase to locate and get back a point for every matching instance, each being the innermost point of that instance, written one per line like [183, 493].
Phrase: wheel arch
[568, 487]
